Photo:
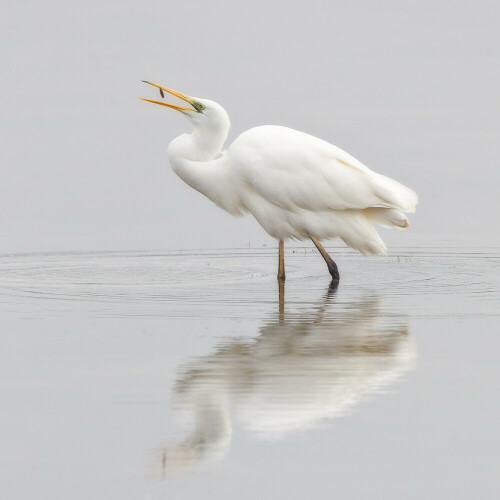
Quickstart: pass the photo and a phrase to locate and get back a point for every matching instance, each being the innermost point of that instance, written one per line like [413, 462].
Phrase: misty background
[409, 88]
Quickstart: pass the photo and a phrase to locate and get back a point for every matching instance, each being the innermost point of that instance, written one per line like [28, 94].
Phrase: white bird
[295, 185]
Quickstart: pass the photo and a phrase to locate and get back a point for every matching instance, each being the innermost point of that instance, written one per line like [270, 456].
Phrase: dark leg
[281, 263]
[332, 267]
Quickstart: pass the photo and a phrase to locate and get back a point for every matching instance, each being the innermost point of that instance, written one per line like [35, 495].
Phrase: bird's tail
[394, 194]
[387, 217]
[360, 234]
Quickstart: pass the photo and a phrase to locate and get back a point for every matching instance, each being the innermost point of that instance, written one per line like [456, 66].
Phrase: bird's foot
[334, 284]
[334, 272]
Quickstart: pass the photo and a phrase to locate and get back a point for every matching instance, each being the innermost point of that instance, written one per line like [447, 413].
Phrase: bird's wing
[293, 169]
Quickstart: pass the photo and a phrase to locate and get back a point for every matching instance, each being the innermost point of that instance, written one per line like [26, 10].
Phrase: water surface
[193, 375]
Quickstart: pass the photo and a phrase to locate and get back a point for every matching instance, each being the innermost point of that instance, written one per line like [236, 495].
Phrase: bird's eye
[198, 106]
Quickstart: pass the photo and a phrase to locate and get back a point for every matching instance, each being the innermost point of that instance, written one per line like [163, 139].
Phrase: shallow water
[192, 375]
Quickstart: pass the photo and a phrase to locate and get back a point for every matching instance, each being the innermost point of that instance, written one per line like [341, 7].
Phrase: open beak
[173, 92]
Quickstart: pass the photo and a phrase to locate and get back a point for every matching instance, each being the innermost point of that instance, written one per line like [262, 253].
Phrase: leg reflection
[299, 371]
[281, 298]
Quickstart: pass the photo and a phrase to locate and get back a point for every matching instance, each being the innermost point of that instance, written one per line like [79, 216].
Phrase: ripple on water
[419, 281]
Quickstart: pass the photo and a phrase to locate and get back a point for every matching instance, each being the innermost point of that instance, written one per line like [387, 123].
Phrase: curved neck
[207, 142]
[196, 158]
[203, 144]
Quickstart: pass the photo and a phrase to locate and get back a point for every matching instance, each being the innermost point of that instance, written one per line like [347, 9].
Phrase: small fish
[161, 93]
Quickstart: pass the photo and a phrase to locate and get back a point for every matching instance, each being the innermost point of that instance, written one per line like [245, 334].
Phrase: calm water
[192, 375]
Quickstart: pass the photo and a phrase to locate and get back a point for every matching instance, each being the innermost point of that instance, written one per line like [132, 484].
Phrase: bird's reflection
[301, 371]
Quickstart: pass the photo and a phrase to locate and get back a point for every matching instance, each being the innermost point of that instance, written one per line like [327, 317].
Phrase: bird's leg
[281, 263]
[332, 267]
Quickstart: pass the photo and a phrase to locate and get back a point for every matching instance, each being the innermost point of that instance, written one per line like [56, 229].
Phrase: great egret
[297, 186]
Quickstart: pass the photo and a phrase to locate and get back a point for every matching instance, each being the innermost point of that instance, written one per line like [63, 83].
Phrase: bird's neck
[207, 143]
[198, 160]
[203, 144]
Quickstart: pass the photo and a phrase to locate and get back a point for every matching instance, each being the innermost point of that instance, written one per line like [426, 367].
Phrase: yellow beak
[173, 92]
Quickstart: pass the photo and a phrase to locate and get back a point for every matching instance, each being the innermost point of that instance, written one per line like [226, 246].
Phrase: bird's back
[292, 168]
[296, 184]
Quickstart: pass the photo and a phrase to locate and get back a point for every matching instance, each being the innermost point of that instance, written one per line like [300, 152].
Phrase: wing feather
[293, 169]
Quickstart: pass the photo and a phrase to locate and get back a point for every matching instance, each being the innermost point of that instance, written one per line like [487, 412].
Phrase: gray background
[93, 343]
[410, 88]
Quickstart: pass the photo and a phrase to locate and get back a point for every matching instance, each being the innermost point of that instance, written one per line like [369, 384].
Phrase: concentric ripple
[419, 281]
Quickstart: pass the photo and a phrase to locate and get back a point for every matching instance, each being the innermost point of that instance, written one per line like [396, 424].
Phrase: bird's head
[202, 111]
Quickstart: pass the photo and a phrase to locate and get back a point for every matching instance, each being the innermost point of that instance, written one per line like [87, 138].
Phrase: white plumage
[295, 185]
